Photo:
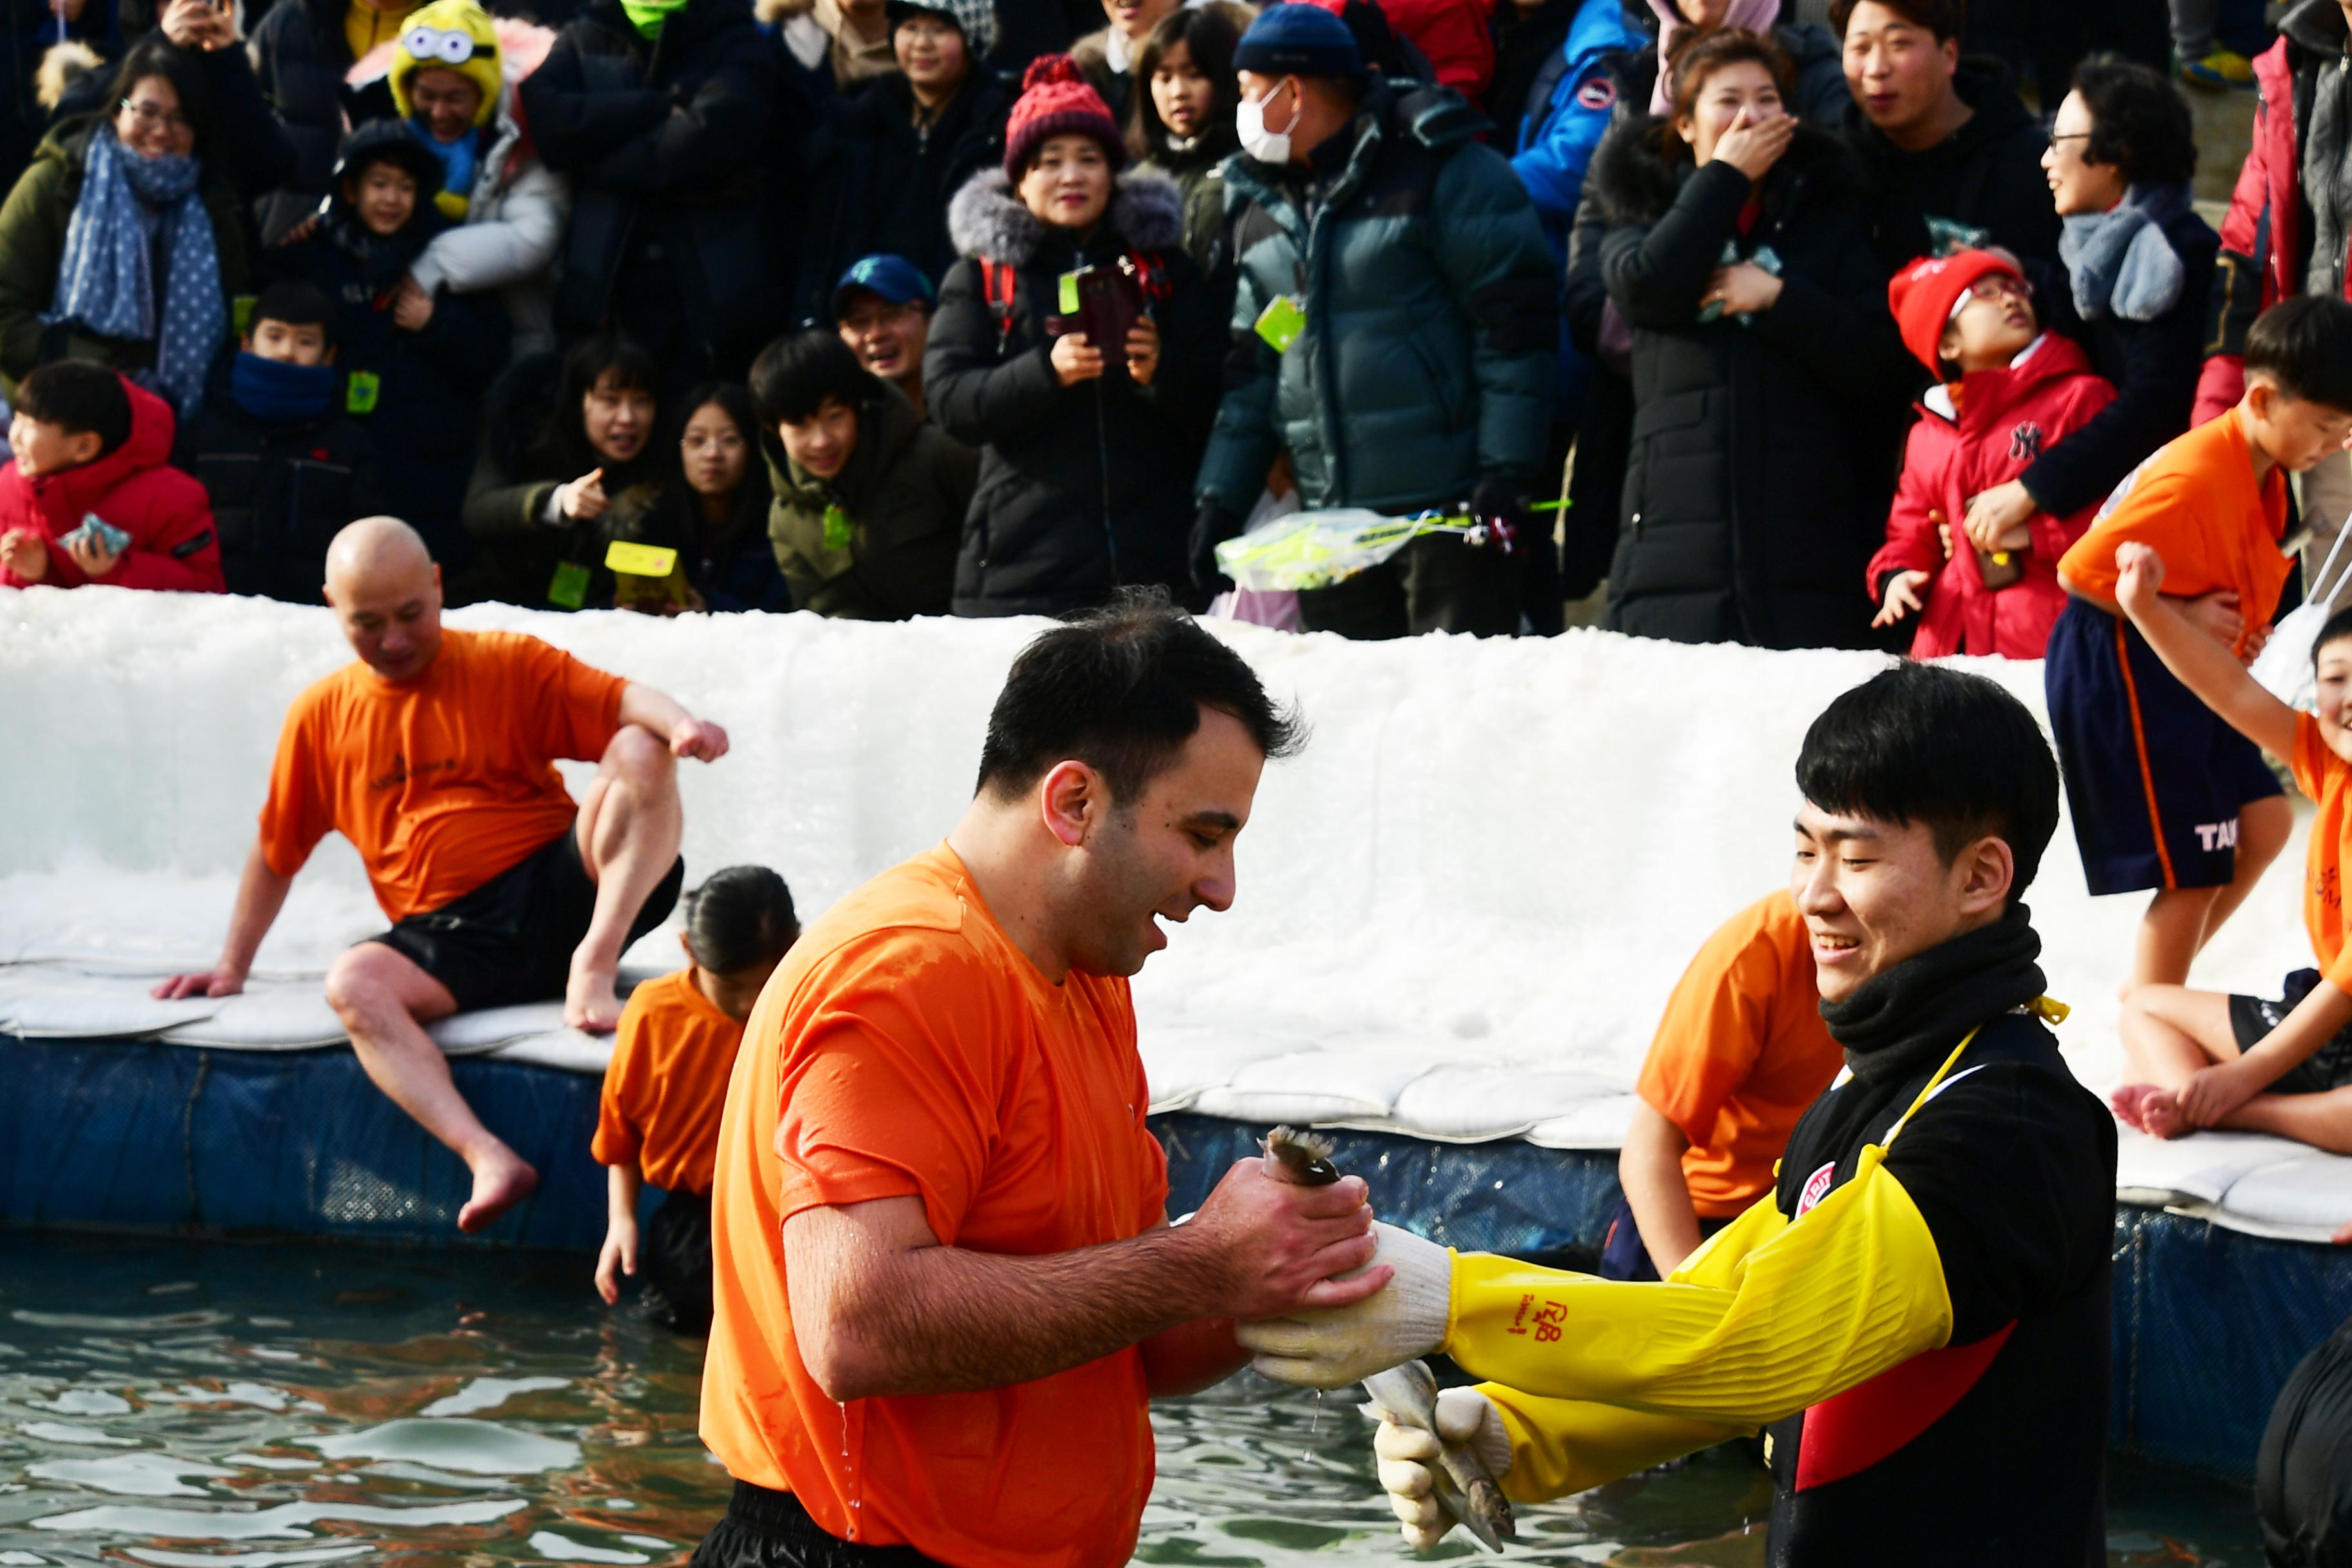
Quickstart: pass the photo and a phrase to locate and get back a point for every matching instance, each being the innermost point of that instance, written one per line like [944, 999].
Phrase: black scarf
[1903, 1023]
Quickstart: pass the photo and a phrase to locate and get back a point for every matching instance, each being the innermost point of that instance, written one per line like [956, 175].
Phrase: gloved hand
[1464, 1415]
[1505, 507]
[1335, 1346]
[1212, 528]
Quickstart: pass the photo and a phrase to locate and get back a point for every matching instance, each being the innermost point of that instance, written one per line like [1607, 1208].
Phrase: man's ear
[1071, 799]
[1986, 869]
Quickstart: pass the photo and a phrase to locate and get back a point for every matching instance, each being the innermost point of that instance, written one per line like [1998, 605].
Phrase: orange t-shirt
[667, 1084]
[446, 779]
[908, 1048]
[2197, 503]
[2327, 778]
[1740, 1054]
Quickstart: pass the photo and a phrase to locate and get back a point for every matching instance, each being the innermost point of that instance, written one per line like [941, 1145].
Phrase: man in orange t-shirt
[434, 755]
[1741, 1053]
[946, 1289]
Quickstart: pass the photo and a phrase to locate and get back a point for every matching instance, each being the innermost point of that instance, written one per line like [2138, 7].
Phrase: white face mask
[1249, 119]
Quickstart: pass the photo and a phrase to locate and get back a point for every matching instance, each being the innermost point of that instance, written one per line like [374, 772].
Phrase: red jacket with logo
[167, 514]
[1990, 433]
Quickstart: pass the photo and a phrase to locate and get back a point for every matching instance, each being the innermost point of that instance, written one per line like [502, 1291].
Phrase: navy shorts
[2154, 778]
[2252, 1018]
[1623, 1256]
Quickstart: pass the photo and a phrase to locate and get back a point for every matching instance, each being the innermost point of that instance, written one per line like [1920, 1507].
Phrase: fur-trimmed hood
[1634, 182]
[986, 220]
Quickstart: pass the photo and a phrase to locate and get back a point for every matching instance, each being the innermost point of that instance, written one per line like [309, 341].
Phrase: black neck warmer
[1904, 1022]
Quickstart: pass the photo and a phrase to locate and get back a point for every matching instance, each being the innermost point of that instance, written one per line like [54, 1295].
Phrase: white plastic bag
[2283, 667]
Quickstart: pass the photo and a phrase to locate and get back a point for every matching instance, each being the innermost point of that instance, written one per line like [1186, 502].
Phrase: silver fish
[1301, 1158]
[1465, 1488]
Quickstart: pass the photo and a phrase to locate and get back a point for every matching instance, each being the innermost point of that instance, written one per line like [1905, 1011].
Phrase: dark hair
[2338, 627]
[561, 445]
[736, 403]
[1920, 742]
[1120, 689]
[2139, 123]
[1698, 54]
[156, 55]
[2304, 346]
[1208, 34]
[80, 399]
[740, 917]
[1944, 18]
[793, 376]
[294, 304]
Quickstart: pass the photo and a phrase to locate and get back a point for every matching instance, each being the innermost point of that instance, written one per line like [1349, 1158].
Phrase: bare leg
[385, 1000]
[2171, 1034]
[630, 822]
[2322, 1120]
[2263, 828]
[2170, 935]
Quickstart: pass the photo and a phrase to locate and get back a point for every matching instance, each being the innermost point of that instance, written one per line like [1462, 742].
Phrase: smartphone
[1104, 301]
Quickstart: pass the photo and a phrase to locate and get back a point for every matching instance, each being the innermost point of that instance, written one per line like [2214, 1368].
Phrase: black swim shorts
[765, 1529]
[510, 940]
[2252, 1018]
[674, 1261]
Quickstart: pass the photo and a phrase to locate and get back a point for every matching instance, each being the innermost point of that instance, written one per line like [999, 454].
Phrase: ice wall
[1496, 855]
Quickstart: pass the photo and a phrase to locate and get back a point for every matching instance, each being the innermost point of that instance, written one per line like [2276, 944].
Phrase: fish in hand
[1407, 1395]
[1301, 1158]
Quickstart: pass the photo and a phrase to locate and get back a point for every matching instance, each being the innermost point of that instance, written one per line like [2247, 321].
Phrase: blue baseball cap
[894, 278]
[1299, 39]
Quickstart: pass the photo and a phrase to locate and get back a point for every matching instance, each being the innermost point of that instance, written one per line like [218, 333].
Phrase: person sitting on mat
[434, 754]
[667, 1085]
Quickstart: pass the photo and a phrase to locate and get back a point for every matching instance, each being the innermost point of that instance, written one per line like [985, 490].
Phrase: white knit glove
[1332, 1347]
[1464, 1415]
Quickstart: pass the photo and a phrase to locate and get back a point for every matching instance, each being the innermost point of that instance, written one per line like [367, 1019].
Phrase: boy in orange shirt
[1741, 1053]
[2164, 793]
[667, 1085]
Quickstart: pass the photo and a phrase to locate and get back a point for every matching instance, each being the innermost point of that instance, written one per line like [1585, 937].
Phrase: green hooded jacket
[903, 495]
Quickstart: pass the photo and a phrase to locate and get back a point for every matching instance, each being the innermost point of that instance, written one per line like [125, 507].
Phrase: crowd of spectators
[798, 295]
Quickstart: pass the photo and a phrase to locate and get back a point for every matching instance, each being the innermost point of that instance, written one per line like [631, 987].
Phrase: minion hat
[449, 34]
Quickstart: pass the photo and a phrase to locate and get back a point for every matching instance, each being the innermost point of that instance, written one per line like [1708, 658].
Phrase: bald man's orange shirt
[446, 779]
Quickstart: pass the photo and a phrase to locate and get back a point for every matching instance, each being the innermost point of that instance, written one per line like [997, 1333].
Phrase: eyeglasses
[149, 117]
[2070, 136]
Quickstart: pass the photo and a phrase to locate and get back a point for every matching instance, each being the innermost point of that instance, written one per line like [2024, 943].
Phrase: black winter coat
[1982, 185]
[878, 183]
[1083, 488]
[1764, 451]
[280, 491]
[300, 56]
[663, 142]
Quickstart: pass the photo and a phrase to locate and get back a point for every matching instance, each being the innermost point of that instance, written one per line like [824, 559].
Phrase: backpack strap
[996, 285]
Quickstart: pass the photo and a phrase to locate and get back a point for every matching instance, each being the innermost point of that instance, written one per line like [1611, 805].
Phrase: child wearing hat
[1088, 447]
[2007, 391]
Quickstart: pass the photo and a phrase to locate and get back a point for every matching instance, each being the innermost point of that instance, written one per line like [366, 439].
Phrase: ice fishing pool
[218, 1405]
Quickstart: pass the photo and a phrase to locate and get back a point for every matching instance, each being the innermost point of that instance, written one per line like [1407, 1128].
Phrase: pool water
[230, 1405]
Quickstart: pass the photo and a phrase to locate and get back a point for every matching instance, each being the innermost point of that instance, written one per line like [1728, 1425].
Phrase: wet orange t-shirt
[667, 1084]
[2326, 778]
[1740, 1054]
[908, 1048]
[446, 779]
[2197, 503]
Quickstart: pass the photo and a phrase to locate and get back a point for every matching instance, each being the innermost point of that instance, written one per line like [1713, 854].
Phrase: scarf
[1757, 15]
[132, 214]
[647, 16]
[459, 159]
[277, 392]
[1903, 1023]
[2119, 261]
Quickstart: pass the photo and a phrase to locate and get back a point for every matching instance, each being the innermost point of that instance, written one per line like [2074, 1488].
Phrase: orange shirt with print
[446, 779]
[667, 1084]
[1740, 1054]
[2197, 503]
[908, 1048]
[2326, 778]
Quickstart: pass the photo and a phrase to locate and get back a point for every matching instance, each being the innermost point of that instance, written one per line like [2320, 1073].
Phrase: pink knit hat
[1056, 101]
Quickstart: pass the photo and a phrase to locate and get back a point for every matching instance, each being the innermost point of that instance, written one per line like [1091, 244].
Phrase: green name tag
[836, 529]
[1067, 294]
[361, 390]
[1281, 323]
[570, 586]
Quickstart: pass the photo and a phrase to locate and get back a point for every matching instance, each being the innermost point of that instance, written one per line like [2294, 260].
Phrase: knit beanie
[1056, 101]
[452, 35]
[1926, 295]
[1297, 39]
[975, 19]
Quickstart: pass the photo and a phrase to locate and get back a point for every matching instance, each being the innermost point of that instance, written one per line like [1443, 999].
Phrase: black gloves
[1212, 527]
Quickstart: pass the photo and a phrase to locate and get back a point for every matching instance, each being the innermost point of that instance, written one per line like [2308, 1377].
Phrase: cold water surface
[243, 1407]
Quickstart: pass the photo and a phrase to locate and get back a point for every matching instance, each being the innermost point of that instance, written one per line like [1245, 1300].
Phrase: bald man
[434, 754]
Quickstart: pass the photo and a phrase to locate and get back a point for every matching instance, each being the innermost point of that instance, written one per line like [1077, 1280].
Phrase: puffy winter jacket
[1764, 449]
[172, 542]
[1430, 347]
[1980, 185]
[728, 565]
[280, 490]
[302, 58]
[2000, 422]
[511, 235]
[904, 492]
[1081, 487]
[663, 144]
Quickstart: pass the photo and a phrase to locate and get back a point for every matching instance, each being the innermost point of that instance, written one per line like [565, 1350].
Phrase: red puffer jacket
[167, 514]
[2004, 420]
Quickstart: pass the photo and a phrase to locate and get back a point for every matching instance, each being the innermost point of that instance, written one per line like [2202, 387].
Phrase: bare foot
[2130, 1104]
[2159, 1115]
[501, 1180]
[592, 1000]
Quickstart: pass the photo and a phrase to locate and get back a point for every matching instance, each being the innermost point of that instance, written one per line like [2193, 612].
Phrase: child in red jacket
[90, 495]
[2011, 391]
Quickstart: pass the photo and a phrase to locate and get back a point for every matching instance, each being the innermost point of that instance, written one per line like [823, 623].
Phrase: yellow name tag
[640, 560]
